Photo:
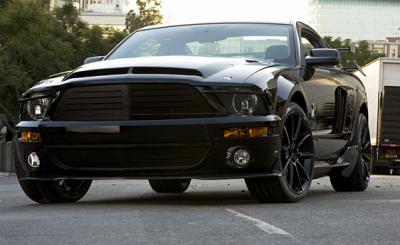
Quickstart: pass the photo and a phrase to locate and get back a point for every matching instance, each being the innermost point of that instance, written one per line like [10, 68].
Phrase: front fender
[286, 92]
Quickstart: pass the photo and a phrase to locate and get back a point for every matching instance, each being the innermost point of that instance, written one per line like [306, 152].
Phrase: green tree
[149, 14]
[362, 56]
[86, 40]
[35, 43]
[32, 46]
[3, 2]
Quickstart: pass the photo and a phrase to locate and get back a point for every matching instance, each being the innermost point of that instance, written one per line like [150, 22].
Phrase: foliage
[87, 41]
[362, 56]
[35, 43]
[32, 46]
[149, 14]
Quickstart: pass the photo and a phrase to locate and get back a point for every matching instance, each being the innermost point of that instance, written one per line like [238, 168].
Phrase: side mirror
[323, 56]
[93, 59]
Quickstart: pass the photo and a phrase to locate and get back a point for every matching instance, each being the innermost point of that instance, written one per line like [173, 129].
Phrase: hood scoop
[102, 72]
[166, 70]
[135, 70]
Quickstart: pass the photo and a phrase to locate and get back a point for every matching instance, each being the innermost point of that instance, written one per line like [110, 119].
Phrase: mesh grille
[155, 157]
[133, 101]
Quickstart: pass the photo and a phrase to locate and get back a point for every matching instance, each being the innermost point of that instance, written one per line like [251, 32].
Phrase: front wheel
[58, 191]
[297, 162]
[53, 191]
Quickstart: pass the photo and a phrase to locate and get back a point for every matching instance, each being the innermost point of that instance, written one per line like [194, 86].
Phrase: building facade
[390, 47]
[356, 19]
[100, 12]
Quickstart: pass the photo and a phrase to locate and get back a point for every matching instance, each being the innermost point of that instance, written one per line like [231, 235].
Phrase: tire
[54, 191]
[169, 185]
[296, 161]
[360, 176]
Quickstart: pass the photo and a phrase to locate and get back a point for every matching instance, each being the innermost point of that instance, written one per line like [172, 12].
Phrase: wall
[6, 157]
[356, 19]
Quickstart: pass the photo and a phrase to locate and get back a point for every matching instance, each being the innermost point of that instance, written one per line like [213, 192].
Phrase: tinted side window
[307, 46]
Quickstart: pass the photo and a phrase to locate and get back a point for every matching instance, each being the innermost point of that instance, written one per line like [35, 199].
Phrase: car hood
[207, 69]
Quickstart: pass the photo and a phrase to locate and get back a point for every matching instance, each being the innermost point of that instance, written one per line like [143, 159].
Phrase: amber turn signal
[30, 137]
[245, 132]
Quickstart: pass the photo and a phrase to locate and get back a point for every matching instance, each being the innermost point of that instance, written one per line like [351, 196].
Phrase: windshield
[263, 42]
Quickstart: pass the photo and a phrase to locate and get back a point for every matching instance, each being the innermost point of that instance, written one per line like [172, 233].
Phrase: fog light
[245, 132]
[238, 157]
[33, 160]
[30, 137]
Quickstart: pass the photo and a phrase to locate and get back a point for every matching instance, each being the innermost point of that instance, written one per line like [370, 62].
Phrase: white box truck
[382, 82]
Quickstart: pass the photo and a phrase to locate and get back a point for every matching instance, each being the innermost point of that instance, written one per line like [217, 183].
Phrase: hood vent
[168, 71]
[102, 72]
[135, 70]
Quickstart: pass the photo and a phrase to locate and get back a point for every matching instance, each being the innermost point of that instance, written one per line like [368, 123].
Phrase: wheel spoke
[287, 135]
[300, 167]
[298, 177]
[291, 175]
[301, 142]
[305, 155]
[288, 162]
[366, 146]
[285, 148]
[296, 134]
[292, 127]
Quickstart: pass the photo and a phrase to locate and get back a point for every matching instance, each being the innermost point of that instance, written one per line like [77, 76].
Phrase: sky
[177, 11]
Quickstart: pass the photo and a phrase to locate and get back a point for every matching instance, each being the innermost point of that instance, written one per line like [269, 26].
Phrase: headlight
[35, 109]
[243, 103]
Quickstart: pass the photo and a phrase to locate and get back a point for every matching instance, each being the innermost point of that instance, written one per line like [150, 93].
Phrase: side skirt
[345, 163]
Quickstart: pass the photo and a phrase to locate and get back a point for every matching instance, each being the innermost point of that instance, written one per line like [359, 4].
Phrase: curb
[4, 174]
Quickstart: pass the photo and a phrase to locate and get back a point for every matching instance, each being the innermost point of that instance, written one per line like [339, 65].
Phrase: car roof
[288, 22]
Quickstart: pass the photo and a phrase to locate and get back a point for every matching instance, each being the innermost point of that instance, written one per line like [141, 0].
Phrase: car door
[327, 94]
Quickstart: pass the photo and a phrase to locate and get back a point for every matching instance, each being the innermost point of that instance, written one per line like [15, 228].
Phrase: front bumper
[173, 148]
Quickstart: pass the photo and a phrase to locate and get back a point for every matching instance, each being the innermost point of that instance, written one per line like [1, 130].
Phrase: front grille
[390, 126]
[131, 101]
[128, 157]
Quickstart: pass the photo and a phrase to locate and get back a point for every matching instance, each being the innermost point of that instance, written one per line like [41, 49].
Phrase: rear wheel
[169, 185]
[54, 191]
[297, 162]
[360, 176]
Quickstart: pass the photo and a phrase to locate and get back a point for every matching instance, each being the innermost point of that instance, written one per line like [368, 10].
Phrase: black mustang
[267, 102]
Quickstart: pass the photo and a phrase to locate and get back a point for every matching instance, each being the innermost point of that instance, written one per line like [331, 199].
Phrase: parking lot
[210, 212]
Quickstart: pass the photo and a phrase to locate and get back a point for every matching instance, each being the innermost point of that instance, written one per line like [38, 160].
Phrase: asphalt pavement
[210, 212]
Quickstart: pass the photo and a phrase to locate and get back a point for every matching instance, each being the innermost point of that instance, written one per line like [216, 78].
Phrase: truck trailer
[381, 79]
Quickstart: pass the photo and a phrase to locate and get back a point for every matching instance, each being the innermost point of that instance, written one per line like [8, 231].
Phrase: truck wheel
[296, 159]
[54, 191]
[169, 185]
[360, 176]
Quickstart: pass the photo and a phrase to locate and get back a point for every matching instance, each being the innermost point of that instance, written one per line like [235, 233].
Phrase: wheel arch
[299, 99]
[290, 91]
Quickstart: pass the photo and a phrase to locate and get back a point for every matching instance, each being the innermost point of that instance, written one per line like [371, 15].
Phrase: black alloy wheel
[359, 178]
[52, 191]
[297, 153]
[297, 162]
[366, 153]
